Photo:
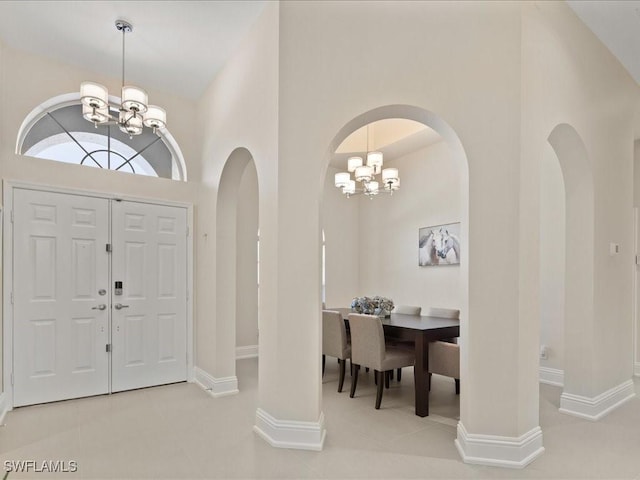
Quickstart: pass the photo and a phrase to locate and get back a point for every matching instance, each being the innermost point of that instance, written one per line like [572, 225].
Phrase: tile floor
[178, 431]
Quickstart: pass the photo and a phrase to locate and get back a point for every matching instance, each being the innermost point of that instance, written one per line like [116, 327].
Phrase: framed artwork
[439, 245]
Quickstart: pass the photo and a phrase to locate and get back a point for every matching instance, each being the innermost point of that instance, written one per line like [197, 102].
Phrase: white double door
[74, 333]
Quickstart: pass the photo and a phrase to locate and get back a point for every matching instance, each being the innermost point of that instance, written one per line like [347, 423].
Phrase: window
[63, 135]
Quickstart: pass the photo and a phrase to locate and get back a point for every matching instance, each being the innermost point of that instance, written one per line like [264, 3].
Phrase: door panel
[60, 263]
[149, 331]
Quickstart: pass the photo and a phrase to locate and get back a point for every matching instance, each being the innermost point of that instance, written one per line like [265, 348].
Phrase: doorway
[99, 295]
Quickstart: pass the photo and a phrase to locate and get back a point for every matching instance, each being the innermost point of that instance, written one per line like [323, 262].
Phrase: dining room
[384, 243]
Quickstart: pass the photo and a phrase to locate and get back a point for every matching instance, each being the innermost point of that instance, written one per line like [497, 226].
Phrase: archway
[237, 261]
[458, 157]
[579, 265]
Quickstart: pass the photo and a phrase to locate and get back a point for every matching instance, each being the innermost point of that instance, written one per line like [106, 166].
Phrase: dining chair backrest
[367, 340]
[334, 335]
[443, 313]
[407, 309]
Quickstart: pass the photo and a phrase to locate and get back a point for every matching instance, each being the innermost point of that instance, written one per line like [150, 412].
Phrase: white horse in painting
[427, 250]
[447, 246]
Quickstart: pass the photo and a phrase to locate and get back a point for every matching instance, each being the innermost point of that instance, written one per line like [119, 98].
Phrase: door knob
[119, 306]
[102, 306]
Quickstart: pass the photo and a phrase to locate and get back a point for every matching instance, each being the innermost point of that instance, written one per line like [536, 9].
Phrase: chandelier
[134, 112]
[367, 175]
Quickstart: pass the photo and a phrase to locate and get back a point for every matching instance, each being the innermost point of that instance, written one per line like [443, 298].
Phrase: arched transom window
[63, 135]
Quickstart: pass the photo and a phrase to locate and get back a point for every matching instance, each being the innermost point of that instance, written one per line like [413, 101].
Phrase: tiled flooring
[178, 431]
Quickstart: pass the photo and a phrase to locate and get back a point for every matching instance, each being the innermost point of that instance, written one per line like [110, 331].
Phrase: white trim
[248, 351]
[594, 408]
[7, 251]
[551, 376]
[290, 433]
[4, 407]
[497, 451]
[636, 370]
[216, 387]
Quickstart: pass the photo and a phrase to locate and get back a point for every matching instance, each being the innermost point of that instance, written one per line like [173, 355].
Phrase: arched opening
[56, 130]
[237, 261]
[372, 243]
[578, 262]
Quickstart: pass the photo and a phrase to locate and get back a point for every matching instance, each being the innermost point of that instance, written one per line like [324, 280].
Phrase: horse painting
[439, 245]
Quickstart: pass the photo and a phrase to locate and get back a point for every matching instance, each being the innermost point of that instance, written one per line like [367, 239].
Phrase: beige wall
[570, 78]
[460, 61]
[239, 110]
[430, 195]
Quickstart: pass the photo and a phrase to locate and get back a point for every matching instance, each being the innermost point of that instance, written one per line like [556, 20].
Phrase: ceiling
[179, 46]
[617, 24]
[175, 46]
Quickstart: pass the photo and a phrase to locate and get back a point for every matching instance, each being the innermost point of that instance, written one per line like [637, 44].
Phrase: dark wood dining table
[421, 330]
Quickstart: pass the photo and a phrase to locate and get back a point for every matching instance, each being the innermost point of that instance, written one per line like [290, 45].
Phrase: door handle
[119, 306]
[102, 306]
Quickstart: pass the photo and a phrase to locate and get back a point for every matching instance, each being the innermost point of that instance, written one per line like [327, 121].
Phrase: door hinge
[187, 231]
[11, 216]
[109, 247]
[637, 259]
[11, 298]
[108, 347]
[12, 379]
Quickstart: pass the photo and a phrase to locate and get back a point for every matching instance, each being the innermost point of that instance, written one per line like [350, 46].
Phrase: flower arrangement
[372, 305]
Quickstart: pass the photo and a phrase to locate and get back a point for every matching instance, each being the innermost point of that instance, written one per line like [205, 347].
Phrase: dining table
[420, 330]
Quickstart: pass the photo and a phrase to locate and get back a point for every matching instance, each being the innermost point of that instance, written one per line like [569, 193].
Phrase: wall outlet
[544, 352]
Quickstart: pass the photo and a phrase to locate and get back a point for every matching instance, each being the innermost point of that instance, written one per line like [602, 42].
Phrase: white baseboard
[248, 351]
[597, 407]
[497, 451]
[290, 434]
[551, 376]
[217, 387]
[636, 369]
[4, 406]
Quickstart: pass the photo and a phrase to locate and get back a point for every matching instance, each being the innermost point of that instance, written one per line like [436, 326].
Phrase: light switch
[614, 249]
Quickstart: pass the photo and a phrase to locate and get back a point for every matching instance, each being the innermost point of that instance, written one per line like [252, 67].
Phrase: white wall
[552, 260]
[246, 259]
[342, 241]
[430, 195]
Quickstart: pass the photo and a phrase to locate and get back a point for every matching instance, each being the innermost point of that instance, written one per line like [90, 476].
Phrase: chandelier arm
[73, 138]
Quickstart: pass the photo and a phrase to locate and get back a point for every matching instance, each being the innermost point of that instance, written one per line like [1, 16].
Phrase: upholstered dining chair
[405, 310]
[334, 341]
[368, 349]
[444, 356]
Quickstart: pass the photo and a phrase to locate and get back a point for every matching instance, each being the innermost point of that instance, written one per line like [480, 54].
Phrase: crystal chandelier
[134, 112]
[367, 174]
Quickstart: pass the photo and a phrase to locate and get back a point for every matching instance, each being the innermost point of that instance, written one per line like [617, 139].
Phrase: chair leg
[399, 374]
[387, 376]
[366, 369]
[380, 388]
[429, 382]
[324, 359]
[391, 374]
[343, 364]
[350, 367]
[457, 386]
[354, 380]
